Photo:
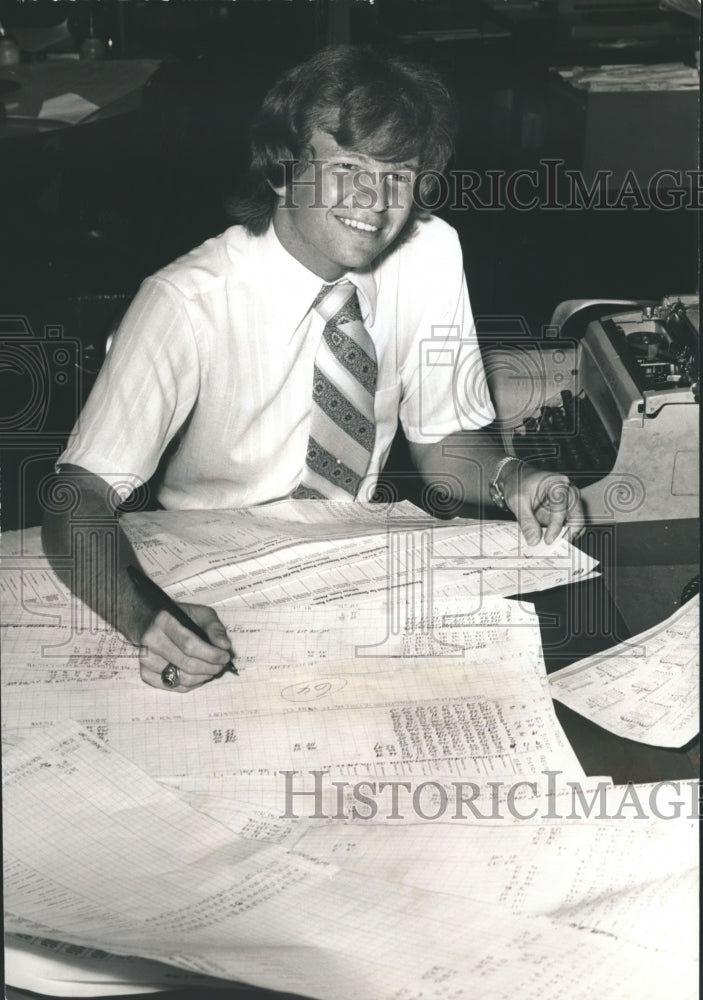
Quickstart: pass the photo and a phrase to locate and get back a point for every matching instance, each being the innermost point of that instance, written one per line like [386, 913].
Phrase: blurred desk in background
[53, 94]
[635, 119]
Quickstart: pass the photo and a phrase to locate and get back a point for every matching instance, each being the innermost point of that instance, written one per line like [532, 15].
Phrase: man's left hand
[540, 500]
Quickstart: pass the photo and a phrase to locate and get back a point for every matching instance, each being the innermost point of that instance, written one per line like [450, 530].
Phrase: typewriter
[615, 407]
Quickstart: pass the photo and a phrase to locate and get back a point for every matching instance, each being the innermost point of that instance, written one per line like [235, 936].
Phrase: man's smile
[364, 227]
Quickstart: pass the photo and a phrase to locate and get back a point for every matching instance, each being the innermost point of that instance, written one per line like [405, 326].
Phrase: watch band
[495, 490]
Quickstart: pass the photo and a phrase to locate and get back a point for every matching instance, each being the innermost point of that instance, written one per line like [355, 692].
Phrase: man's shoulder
[209, 266]
[432, 229]
[430, 248]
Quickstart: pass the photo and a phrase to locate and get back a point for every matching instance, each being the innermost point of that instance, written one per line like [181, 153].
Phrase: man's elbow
[75, 499]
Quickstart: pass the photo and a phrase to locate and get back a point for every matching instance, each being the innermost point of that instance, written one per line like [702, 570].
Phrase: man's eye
[346, 166]
[399, 178]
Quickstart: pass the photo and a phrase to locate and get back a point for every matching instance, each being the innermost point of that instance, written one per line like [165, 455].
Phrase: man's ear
[287, 168]
[282, 171]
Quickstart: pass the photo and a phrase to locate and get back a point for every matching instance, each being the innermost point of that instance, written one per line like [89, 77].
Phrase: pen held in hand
[159, 600]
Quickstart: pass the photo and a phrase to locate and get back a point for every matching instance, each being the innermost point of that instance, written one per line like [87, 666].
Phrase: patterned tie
[342, 428]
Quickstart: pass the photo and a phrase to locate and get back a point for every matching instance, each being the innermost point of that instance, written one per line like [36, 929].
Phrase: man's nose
[372, 191]
[381, 192]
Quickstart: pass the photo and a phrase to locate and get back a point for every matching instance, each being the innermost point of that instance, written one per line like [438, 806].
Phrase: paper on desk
[496, 559]
[224, 553]
[58, 969]
[295, 550]
[30, 592]
[302, 551]
[33, 594]
[446, 560]
[620, 870]
[230, 903]
[407, 635]
[69, 108]
[91, 856]
[177, 545]
[246, 546]
[283, 641]
[468, 693]
[445, 799]
[633, 77]
[77, 84]
[645, 689]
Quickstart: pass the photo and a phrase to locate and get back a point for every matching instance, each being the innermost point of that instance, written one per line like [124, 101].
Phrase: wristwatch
[495, 490]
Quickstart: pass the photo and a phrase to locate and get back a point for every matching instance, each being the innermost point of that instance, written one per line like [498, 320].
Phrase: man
[276, 359]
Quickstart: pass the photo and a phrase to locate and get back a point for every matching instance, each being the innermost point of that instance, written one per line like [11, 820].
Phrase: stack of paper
[127, 864]
[381, 805]
[633, 77]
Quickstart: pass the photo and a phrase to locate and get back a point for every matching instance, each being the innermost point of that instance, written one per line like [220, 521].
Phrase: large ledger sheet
[465, 694]
[236, 901]
[298, 551]
[646, 689]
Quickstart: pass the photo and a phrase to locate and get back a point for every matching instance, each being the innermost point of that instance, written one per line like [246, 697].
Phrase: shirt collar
[292, 287]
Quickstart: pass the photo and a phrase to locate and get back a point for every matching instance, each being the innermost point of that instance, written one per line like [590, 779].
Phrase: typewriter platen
[615, 409]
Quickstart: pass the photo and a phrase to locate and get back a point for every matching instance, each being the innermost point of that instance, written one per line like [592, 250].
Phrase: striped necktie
[342, 427]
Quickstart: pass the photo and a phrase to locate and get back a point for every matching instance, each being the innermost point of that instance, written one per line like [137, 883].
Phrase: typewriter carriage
[615, 406]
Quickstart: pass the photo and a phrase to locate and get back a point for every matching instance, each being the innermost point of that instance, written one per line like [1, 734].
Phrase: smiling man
[277, 359]
[344, 208]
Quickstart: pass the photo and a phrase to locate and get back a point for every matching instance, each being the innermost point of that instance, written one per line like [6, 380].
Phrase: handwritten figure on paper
[313, 690]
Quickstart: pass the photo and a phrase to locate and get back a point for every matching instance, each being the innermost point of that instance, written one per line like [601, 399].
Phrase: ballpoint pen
[157, 599]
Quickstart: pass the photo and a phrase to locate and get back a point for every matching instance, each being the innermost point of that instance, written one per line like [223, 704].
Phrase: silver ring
[170, 676]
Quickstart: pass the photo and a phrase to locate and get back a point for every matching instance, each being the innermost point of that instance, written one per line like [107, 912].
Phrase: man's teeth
[355, 224]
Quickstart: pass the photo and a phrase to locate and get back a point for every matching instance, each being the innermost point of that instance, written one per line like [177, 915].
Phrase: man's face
[344, 209]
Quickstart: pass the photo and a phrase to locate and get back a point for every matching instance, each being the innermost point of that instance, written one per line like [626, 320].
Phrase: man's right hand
[166, 641]
[98, 576]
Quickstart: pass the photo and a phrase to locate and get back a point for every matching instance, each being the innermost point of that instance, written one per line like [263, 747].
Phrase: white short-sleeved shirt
[215, 357]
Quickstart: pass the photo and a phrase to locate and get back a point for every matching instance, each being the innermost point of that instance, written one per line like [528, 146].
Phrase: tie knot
[331, 299]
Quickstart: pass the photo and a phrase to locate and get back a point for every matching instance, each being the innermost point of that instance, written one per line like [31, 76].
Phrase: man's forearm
[89, 552]
[462, 464]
